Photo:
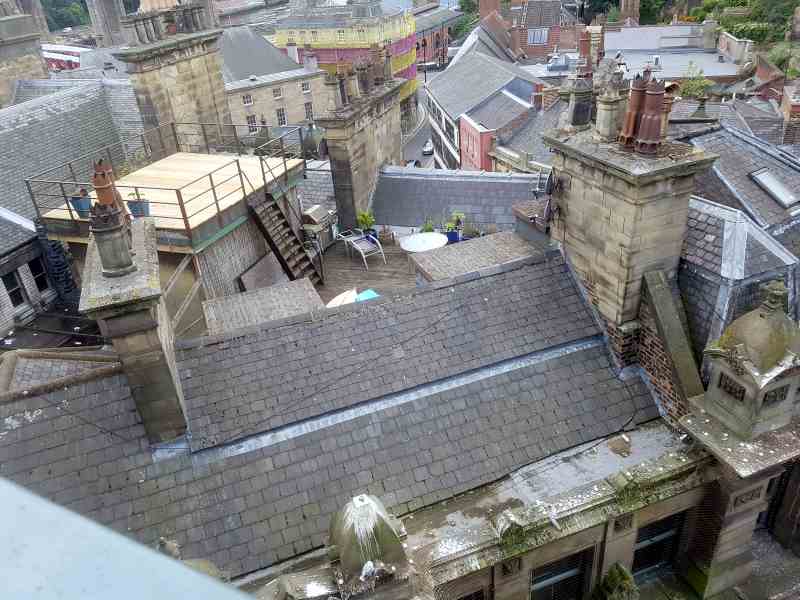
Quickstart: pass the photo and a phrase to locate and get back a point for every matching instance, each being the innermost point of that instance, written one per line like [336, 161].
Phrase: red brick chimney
[633, 115]
[486, 7]
[648, 135]
[536, 96]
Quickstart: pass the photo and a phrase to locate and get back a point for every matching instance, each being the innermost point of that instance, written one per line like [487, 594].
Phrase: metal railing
[56, 192]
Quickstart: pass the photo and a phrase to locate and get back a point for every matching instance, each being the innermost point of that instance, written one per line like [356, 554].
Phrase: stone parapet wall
[226, 259]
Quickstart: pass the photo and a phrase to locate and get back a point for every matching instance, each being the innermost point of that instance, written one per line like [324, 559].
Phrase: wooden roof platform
[207, 184]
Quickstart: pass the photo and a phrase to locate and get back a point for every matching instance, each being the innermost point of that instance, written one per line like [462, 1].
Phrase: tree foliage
[65, 13]
[694, 82]
[613, 14]
[650, 11]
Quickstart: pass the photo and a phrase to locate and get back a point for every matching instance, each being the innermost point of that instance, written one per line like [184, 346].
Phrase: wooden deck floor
[343, 273]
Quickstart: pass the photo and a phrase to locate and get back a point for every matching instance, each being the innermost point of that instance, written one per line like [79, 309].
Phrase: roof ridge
[316, 315]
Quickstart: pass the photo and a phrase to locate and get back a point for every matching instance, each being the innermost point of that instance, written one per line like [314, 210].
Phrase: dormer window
[730, 387]
[777, 189]
[776, 396]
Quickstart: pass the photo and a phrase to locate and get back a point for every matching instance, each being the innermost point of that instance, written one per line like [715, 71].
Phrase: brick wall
[226, 259]
[656, 362]
[476, 143]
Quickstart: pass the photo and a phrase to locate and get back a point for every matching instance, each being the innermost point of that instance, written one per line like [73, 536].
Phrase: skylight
[769, 182]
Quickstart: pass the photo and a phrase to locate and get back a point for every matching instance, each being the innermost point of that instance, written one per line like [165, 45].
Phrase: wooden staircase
[283, 241]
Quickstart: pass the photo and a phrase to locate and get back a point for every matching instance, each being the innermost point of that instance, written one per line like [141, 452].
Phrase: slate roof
[475, 254]
[409, 196]
[739, 155]
[278, 301]
[317, 186]
[12, 233]
[754, 117]
[434, 423]
[472, 79]
[245, 53]
[528, 138]
[499, 109]
[490, 37]
[726, 242]
[434, 19]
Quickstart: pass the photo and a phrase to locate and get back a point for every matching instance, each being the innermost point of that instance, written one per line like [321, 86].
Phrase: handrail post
[179, 195]
[72, 172]
[205, 137]
[161, 139]
[175, 136]
[283, 156]
[216, 200]
[33, 198]
[241, 180]
[236, 138]
[144, 144]
[66, 200]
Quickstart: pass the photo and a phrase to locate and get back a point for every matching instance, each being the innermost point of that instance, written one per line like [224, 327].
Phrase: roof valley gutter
[330, 419]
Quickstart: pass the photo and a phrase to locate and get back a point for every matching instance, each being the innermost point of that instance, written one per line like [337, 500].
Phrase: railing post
[175, 136]
[283, 157]
[236, 138]
[33, 198]
[216, 200]
[144, 144]
[241, 179]
[161, 139]
[205, 137]
[66, 200]
[72, 172]
[179, 195]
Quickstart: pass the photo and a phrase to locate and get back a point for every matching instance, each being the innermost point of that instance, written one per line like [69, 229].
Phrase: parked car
[427, 149]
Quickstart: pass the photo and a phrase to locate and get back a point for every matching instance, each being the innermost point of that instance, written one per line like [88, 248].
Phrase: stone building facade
[290, 97]
[20, 54]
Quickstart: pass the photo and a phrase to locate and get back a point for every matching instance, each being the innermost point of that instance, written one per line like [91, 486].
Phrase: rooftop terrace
[194, 178]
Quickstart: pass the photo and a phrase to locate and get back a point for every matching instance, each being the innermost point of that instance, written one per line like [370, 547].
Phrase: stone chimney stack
[536, 96]
[622, 214]
[310, 61]
[607, 123]
[648, 135]
[121, 291]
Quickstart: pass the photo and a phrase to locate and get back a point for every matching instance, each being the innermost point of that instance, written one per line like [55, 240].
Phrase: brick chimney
[622, 214]
[121, 291]
[536, 96]
[487, 7]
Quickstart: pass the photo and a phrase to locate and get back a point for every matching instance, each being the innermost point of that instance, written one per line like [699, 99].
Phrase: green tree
[613, 14]
[650, 11]
[65, 13]
[694, 82]
[468, 6]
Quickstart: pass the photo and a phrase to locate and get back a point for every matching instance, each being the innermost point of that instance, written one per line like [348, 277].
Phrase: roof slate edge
[315, 315]
[61, 382]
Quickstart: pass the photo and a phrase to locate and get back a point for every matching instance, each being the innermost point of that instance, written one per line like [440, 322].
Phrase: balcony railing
[190, 197]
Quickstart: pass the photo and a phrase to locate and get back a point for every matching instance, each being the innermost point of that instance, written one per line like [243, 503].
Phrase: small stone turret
[365, 539]
[754, 368]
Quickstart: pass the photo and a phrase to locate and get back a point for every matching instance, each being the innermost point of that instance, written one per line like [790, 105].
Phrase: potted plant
[453, 227]
[427, 227]
[366, 220]
[81, 203]
[138, 206]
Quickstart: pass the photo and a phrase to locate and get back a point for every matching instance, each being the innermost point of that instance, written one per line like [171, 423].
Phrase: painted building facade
[335, 35]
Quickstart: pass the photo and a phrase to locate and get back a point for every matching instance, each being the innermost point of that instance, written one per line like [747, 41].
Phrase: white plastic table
[421, 242]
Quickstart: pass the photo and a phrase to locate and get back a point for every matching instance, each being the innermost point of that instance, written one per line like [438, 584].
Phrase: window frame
[309, 108]
[252, 127]
[15, 289]
[41, 275]
[535, 33]
[305, 87]
[340, 35]
[279, 95]
[280, 114]
[247, 99]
